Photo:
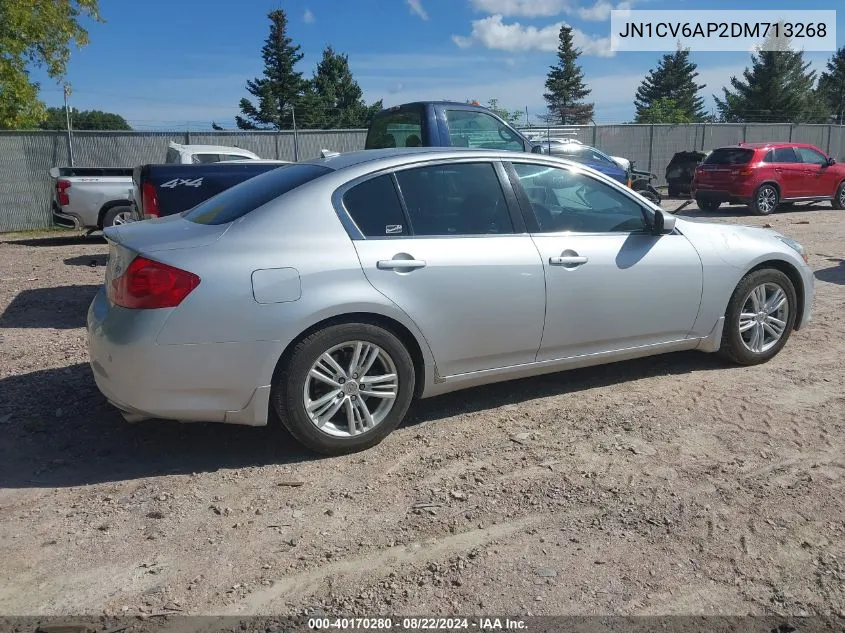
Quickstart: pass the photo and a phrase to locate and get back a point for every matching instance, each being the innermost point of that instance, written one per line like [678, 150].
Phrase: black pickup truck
[161, 190]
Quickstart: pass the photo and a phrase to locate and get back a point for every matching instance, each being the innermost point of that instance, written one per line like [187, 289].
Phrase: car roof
[350, 159]
[214, 149]
[765, 145]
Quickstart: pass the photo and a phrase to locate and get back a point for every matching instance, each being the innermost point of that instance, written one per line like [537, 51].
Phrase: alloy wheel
[350, 389]
[767, 199]
[763, 318]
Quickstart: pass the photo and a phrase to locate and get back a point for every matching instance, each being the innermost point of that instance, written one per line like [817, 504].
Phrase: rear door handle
[568, 260]
[392, 264]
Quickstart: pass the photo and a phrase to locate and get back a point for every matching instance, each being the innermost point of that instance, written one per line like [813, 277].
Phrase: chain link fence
[26, 188]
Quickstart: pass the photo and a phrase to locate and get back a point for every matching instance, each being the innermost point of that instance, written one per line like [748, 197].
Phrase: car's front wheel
[344, 388]
[765, 200]
[760, 317]
[839, 198]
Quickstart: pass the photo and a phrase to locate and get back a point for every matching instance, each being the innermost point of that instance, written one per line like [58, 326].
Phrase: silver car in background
[334, 291]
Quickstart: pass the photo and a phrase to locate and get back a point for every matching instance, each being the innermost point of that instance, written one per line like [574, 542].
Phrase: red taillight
[61, 192]
[150, 201]
[149, 284]
[745, 171]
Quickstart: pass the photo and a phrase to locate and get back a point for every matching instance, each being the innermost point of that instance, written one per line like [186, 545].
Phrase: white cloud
[599, 11]
[493, 33]
[417, 8]
[308, 18]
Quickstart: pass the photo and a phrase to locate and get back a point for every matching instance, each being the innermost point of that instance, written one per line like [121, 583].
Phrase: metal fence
[26, 157]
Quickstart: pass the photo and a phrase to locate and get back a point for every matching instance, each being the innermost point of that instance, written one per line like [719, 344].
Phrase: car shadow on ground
[62, 307]
[834, 274]
[91, 261]
[58, 430]
[742, 211]
[70, 239]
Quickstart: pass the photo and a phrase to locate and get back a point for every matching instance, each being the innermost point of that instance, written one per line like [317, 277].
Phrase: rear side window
[197, 159]
[374, 206]
[246, 196]
[399, 128]
[729, 156]
[785, 155]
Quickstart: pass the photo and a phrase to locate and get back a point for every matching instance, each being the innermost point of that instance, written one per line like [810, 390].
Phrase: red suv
[763, 175]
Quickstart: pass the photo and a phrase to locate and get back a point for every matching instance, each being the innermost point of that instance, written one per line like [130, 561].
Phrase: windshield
[247, 196]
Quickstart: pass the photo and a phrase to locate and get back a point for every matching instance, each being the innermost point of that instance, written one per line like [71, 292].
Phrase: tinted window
[400, 128]
[235, 157]
[172, 156]
[811, 156]
[246, 196]
[581, 153]
[769, 157]
[729, 156]
[468, 128]
[374, 206]
[455, 199]
[564, 200]
[205, 158]
[786, 155]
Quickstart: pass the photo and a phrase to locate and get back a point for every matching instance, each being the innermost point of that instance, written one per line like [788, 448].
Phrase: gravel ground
[670, 485]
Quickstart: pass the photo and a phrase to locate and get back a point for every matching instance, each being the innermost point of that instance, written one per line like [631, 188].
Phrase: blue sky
[185, 62]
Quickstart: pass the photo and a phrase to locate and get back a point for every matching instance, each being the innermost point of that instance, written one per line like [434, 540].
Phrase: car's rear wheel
[760, 317]
[117, 216]
[839, 199]
[705, 204]
[344, 388]
[765, 200]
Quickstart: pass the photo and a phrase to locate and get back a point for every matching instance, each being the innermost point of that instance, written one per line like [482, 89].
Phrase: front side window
[455, 199]
[566, 200]
[396, 128]
[375, 208]
[199, 159]
[468, 128]
[811, 156]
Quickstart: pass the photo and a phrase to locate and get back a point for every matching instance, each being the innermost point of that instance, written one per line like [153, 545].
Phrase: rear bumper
[63, 219]
[214, 382]
[720, 195]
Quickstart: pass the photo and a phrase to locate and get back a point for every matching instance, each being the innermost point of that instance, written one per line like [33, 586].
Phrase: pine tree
[832, 85]
[565, 85]
[673, 79]
[281, 88]
[333, 98]
[777, 88]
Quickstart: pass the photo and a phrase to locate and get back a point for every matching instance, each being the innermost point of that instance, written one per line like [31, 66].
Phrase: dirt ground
[670, 485]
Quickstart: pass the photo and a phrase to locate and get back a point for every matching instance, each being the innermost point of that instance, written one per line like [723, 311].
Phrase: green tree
[36, 33]
[673, 80]
[777, 88]
[664, 110]
[508, 115]
[83, 120]
[565, 84]
[280, 88]
[333, 99]
[832, 85]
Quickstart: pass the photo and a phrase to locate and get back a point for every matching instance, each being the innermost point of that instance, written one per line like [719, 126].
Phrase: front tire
[765, 200]
[839, 199]
[344, 388]
[760, 317]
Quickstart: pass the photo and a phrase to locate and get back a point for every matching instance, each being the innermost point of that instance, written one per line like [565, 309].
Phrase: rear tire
[756, 306]
[321, 394]
[673, 192]
[839, 199]
[707, 205]
[117, 216]
[765, 200]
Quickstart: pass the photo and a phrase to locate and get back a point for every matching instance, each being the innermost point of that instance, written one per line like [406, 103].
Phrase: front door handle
[393, 264]
[568, 260]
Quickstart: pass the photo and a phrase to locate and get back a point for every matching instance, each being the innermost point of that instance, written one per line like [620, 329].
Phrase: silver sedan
[337, 290]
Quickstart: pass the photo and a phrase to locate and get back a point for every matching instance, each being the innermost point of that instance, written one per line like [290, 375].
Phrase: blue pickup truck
[162, 190]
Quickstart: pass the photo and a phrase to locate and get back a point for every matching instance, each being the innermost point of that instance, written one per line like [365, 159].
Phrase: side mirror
[831, 161]
[663, 223]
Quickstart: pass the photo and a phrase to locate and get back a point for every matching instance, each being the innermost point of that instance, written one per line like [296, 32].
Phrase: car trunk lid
[168, 233]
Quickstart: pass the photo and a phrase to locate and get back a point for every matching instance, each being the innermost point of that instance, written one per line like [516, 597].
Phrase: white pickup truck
[99, 197]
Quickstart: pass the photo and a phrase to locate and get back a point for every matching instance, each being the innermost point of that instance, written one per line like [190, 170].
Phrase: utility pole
[295, 137]
[69, 132]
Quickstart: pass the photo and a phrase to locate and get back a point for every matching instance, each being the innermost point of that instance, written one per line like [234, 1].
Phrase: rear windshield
[729, 156]
[395, 128]
[247, 196]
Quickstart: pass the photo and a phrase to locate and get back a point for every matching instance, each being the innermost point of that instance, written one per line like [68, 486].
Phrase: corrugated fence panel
[26, 157]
